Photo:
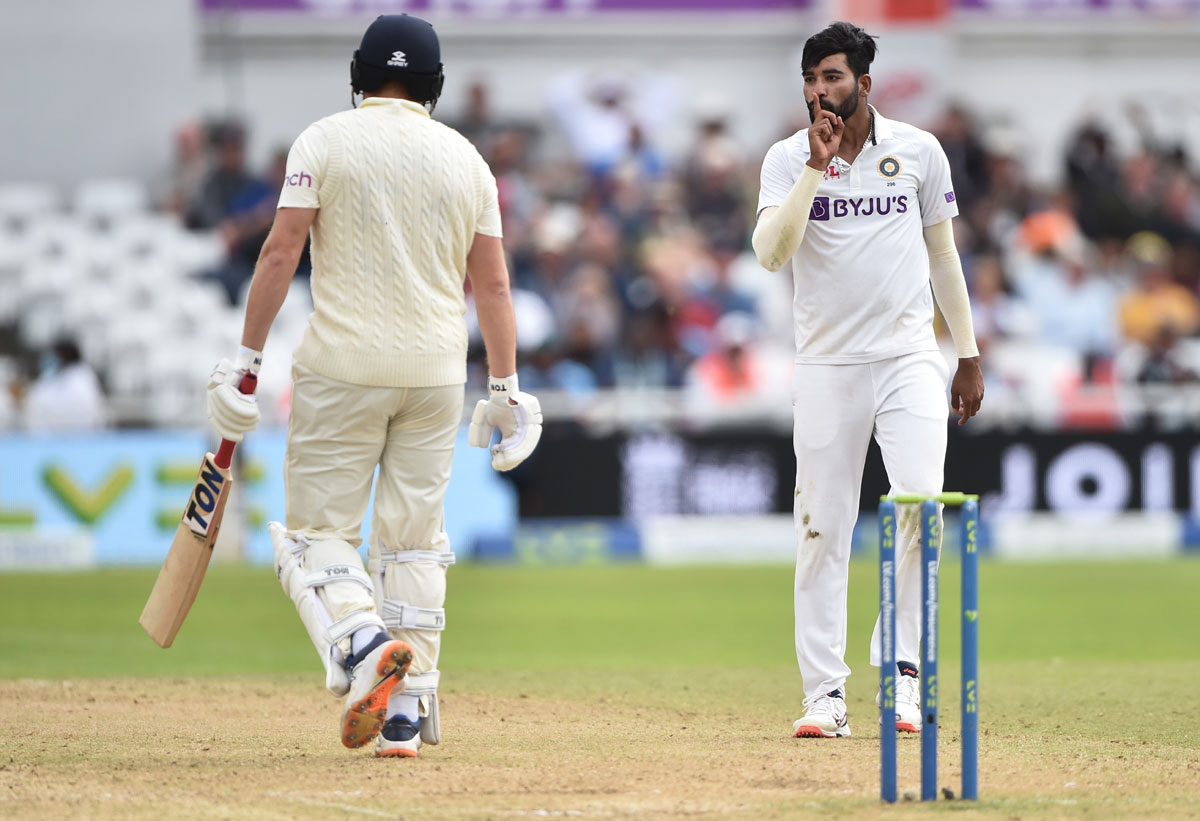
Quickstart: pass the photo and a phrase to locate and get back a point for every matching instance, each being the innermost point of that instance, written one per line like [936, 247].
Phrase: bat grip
[225, 451]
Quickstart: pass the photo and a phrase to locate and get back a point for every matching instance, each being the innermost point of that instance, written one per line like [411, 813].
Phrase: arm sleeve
[936, 194]
[779, 232]
[488, 222]
[306, 171]
[950, 287]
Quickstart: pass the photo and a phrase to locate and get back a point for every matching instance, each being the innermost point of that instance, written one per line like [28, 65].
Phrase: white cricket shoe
[399, 738]
[824, 717]
[908, 704]
[384, 664]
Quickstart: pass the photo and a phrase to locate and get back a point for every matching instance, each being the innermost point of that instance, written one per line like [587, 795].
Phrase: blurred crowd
[636, 271]
[631, 265]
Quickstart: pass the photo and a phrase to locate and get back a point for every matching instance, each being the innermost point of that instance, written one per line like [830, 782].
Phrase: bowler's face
[832, 83]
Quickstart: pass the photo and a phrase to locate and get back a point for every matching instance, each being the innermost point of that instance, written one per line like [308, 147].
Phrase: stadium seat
[22, 202]
[101, 202]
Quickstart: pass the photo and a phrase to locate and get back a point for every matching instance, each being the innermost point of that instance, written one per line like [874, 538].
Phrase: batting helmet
[402, 48]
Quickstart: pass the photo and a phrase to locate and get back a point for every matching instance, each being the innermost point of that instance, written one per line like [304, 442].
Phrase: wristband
[248, 360]
[505, 387]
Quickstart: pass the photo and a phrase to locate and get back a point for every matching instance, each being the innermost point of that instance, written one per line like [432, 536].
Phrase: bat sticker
[204, 499]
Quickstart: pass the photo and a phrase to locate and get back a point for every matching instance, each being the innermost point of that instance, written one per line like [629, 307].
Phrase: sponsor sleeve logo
[949, 196]
[299, 179]
[820, 209]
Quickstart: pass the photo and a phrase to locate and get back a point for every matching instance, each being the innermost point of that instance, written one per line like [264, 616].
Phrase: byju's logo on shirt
[823, 208]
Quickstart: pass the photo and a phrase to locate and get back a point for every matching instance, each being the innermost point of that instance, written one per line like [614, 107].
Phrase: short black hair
[840, 38]
[67, 351]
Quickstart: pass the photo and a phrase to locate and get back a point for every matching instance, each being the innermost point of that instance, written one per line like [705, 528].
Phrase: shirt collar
[394, 102]
[883, 126]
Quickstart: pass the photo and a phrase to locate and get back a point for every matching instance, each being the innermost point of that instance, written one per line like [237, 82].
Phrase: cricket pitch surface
[673, 745]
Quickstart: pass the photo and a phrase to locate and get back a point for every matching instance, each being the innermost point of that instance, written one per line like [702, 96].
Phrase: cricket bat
[187, 560]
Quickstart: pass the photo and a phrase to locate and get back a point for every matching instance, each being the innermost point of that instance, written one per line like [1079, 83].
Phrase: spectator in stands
[648, 356]
[237, 203]
[188, 170]
[554, 234]
[476, 122]
[587, 298]
[1093, 178]
[228, 184]
[66, 397]
[712, 285]
[715, 189]
[1180, 211]
[1073, 309]
[547, 369]
[965, 152]
[519, 197]
[1158, 302]
[995, 314]
[734, 376]
[1163, 364]
[609, 122]
[1138, 200]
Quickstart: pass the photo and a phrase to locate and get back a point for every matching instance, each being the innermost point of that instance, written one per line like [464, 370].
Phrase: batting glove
[233, 414]
[517, 415]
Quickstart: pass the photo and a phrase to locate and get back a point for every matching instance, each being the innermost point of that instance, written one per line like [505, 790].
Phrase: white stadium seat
[104, 201]
[21, 202]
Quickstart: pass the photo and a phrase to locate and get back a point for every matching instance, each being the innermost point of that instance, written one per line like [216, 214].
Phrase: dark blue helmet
[402, 48]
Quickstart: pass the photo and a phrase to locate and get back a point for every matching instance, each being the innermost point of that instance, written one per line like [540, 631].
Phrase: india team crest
[889, 167]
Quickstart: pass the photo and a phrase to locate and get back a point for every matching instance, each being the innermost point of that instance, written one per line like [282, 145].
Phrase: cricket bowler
[399, 208]
[862, 206]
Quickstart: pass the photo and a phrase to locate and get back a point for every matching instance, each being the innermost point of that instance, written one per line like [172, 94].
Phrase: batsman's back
[400, 198]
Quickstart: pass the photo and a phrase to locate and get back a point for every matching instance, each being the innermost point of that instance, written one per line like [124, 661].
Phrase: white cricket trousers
[837, 408]
[338, 433]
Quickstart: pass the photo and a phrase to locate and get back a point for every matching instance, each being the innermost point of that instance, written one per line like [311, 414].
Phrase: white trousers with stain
[836, 410]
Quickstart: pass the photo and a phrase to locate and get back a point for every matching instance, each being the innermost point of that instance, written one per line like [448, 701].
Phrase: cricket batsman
[862, 206]
[399, 208]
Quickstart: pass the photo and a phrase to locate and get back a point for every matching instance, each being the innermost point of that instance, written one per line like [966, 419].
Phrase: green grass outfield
[547, 619]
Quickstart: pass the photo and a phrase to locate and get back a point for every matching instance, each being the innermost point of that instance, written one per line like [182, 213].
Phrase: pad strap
[338, 573]
[402, 556]
[404, 616]
[351, 624]
[422, 684]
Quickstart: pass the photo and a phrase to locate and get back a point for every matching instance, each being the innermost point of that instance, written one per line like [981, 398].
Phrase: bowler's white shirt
[861, 275]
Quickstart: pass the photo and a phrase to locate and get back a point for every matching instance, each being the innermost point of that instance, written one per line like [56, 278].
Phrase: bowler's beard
[845, 110]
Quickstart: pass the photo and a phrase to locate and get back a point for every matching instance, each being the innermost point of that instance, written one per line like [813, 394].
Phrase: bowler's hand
[966, 390]
[824, 137]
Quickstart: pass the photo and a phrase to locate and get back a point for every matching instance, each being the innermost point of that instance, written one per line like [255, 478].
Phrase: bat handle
[225, 452]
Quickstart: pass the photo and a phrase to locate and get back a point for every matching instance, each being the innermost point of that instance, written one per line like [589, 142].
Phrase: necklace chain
[844, 166]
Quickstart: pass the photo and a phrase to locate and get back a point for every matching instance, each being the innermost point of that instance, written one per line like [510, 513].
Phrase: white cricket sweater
[400, 198]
